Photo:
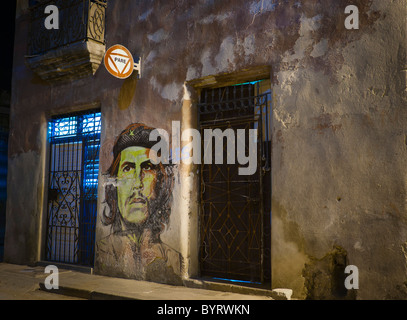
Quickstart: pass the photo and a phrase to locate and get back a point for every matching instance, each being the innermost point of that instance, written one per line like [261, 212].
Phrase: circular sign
[119, 61]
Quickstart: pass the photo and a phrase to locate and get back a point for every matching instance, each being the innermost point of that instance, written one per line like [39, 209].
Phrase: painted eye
[127, 168]
[147, 166]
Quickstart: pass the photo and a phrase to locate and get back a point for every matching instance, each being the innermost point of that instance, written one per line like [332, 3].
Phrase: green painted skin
[136, 184]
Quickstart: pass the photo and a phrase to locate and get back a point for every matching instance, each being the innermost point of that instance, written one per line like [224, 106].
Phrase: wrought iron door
[72, 193]
[235, 211]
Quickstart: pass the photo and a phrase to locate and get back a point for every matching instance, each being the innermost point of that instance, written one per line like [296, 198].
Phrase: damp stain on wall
[325, 277]
[127, 92]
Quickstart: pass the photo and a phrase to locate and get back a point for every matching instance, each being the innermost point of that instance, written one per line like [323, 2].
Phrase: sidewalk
[23, 282]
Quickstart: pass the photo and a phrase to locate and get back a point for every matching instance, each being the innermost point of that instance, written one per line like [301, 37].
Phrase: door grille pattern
[235, 212]
[72, 193]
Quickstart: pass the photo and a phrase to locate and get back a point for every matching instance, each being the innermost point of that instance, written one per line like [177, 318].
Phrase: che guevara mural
[135, 212]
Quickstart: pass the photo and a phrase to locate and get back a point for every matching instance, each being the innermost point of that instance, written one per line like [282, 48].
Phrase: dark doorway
[4, 131]
[72, 193]
[235, 237]
[7, 30]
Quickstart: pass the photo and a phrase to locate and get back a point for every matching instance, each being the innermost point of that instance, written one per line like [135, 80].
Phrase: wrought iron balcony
[73, 51]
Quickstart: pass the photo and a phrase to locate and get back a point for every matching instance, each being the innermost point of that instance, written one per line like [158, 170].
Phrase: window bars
[72, 191]
[235, 232]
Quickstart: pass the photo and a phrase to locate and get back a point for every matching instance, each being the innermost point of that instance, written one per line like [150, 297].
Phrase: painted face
[136, 184]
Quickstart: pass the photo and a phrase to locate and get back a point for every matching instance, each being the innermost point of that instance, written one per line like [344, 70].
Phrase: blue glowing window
[76, 143]
[64, 127]
[91, 124]
[237, 281]
[249, 82]
[71, 126]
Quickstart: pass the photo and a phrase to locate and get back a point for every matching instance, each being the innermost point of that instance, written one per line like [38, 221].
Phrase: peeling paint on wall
[169, 91]
[324, 121]
[158, 36]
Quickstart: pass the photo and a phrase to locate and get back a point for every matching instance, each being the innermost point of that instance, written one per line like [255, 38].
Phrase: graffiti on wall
[138, 196]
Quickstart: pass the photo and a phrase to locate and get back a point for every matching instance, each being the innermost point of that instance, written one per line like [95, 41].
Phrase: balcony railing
[74, 50]
[79, 20]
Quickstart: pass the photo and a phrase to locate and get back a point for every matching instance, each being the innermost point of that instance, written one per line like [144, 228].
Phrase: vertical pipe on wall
[189, 191]
[42, 195]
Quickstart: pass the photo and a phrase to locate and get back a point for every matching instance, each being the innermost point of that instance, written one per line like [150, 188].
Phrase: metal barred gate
[72, 190]
[235, 237]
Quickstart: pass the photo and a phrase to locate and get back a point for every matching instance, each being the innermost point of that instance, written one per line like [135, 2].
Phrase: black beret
[135, 135]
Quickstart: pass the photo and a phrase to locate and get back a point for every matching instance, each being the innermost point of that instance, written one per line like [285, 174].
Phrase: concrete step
[226, 286]
[96, 287]
[65, 266]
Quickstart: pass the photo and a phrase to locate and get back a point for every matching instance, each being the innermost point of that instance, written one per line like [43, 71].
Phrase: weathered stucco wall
[339, 149]
[339, 140]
